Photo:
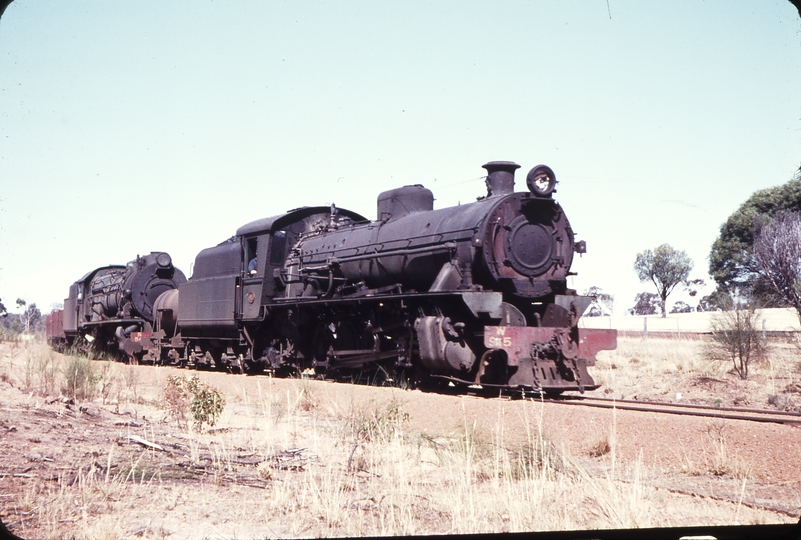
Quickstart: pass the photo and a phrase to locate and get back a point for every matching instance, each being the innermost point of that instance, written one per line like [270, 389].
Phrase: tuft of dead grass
[600, 448]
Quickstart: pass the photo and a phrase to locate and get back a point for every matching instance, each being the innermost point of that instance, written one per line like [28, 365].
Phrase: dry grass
[676, 370]
[34, 367]
[722, 461]
[286, 461]
[397, 483]
[637, 359]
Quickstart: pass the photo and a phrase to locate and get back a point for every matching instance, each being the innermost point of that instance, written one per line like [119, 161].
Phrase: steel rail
[672, 408]
[689, 406]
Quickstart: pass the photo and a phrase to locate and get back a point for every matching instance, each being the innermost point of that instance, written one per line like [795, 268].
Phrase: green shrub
[182, 395]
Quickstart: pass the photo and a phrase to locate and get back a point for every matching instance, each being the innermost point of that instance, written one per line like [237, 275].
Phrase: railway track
[686, 409]
[728, 413]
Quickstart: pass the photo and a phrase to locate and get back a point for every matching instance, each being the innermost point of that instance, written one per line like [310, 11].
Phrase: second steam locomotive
[474, 294]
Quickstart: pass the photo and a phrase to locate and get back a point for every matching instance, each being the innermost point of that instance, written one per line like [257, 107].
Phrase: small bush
[175, 398]
[182, 395]
[736, 338]
[600, 448]
[39, 369]
[80, 379]
[207, 405]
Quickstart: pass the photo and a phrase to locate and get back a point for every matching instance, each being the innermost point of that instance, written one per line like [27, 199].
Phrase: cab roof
[273, 223]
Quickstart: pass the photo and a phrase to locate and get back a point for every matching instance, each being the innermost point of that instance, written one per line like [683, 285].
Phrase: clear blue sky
[127, 127]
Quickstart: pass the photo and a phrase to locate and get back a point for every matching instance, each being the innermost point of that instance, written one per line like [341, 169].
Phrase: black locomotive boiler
[112, 306]
[474, 294]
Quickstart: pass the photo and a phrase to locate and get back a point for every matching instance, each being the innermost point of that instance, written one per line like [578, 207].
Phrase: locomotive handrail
[374, 296]
[447, 246]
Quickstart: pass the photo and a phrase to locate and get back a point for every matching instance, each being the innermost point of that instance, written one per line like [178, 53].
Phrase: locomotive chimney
[500, 177]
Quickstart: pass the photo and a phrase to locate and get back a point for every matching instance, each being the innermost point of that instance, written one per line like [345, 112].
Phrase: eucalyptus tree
[666, 268]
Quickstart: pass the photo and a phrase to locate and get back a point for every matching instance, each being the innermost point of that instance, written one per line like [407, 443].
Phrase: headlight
[541, 181]
[163, 260]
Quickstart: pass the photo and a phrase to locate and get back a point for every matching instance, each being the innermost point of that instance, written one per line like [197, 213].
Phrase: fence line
[775, 335]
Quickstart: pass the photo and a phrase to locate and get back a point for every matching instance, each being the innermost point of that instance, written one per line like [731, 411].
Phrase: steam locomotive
[474, 294]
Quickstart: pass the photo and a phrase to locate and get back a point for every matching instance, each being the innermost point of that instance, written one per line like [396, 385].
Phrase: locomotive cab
[255, 249]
